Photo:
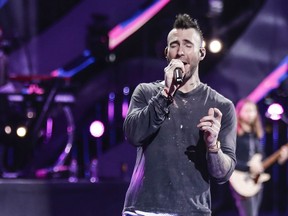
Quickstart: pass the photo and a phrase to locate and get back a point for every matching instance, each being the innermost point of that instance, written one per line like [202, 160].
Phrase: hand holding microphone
[173, 76]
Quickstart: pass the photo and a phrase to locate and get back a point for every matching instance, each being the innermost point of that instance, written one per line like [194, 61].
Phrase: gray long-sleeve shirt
[172, 170]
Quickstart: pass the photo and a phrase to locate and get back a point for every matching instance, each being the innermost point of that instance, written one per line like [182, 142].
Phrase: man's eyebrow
[187, 41]
[177, 42]
[174, 42]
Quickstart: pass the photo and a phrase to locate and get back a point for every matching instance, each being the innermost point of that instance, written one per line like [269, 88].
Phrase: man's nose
[180, 51]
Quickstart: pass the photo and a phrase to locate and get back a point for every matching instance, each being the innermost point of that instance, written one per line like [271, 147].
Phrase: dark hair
[184, 21]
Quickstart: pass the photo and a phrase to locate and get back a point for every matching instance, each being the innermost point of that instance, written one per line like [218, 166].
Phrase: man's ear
[202, 51]
[166, 51]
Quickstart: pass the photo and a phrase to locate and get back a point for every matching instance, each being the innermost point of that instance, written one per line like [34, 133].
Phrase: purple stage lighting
[274, 111]
[97, 129]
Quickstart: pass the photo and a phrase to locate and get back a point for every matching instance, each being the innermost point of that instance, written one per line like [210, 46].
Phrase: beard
[190, 73]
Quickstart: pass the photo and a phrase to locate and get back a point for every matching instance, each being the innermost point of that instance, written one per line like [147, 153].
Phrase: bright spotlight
[97, 128]
[215, 46]
[274, 111]
[21, 131]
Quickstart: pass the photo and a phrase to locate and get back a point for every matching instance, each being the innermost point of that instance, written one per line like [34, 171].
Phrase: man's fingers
[211, 112]
[218, 114]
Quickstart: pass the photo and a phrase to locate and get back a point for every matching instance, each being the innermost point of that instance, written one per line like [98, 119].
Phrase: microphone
[178, 75]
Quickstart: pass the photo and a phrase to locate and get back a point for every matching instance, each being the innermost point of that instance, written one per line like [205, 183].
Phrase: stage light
[126, 90]
[125, 103]
[274, 111]
[111, 107]
[123, 30]
[216, 7]
[111, 58]
[21, 131]
[8, 129]
[112, 96]
[97, 129]
[215, 46]
[30, 113]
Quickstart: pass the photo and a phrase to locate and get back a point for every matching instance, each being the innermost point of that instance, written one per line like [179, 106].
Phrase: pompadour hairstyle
[184, 21]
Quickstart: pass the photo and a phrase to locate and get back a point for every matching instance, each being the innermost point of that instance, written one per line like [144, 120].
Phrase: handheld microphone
[178, 75]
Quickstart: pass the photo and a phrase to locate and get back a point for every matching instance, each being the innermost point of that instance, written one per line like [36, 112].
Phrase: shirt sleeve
[145, 115]
[225, 163]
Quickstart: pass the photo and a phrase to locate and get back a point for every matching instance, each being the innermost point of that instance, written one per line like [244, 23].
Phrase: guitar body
[245, 184]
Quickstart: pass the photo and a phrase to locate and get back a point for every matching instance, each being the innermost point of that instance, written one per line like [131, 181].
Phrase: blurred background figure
[248, 192]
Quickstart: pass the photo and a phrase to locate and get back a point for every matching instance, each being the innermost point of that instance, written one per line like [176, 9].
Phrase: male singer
[184, 132]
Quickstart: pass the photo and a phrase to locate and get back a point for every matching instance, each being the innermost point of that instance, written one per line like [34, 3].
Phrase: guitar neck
[271, 159]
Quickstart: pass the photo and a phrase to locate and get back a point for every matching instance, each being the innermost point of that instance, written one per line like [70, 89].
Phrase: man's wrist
[164, 92]
[215, 147]
[167, 95]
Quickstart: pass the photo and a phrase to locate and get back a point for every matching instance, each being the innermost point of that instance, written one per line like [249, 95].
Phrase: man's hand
[170, 82]
[211, 125]
[255, 164]
[283, 155]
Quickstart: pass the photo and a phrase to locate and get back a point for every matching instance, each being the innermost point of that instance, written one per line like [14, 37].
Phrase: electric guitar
[246, 184]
